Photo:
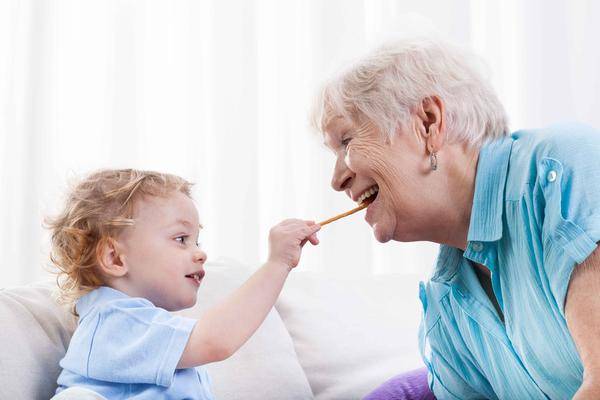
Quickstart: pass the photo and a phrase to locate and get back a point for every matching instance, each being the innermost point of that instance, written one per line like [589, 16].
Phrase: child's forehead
[176, 208]
[188, 224]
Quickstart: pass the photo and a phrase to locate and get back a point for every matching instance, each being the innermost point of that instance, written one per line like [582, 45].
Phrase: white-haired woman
[512, 308]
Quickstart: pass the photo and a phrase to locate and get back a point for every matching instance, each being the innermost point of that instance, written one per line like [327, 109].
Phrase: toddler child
[127, 252]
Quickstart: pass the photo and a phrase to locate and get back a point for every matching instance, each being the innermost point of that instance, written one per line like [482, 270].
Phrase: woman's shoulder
[558, 141]
[572, 146]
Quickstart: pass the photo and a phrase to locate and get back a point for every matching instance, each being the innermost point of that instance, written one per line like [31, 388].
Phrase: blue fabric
[535, 216]
[126, 348]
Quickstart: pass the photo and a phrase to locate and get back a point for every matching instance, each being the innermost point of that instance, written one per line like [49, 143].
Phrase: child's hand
[287, 238]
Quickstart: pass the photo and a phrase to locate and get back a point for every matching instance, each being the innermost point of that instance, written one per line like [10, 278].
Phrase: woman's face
[395, 167]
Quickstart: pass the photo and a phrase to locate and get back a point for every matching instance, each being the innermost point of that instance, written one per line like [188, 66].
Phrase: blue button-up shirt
[535, 216]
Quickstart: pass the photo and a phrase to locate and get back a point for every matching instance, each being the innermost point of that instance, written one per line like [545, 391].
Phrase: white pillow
[352, 333]
[266, 367]
[34, 337]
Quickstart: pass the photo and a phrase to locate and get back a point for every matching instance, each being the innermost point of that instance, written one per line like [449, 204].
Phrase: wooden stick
[327, 221]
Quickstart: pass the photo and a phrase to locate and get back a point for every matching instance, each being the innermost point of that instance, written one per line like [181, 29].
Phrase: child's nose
[200, 256]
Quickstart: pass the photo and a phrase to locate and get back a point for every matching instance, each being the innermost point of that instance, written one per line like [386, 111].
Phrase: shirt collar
[96, 297]
[486, 213]
[447, 263]
[488, 200]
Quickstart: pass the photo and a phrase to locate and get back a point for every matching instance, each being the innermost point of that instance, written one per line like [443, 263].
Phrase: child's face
[161, 253]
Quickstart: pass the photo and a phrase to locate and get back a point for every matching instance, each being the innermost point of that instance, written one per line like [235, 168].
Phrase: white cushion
[266, 367]
[352, 333]
[34, 336]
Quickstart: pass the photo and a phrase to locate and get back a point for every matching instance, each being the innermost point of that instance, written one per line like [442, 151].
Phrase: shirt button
[477, 246]
[551, 176]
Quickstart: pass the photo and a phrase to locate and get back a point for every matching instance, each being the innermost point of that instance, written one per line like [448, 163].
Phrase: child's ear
[110, 259]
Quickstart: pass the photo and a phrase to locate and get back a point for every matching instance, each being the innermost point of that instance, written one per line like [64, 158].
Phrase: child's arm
[224, 328]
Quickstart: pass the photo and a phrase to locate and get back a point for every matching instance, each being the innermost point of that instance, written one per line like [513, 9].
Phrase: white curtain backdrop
[219, 92]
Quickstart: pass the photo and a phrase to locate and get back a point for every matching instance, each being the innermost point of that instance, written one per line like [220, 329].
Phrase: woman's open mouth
[368, 195]
[369, 200]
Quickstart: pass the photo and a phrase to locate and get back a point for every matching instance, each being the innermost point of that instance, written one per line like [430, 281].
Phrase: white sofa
[329, 337]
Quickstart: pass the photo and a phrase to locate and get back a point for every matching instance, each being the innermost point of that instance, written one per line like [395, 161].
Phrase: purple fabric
[410, 385]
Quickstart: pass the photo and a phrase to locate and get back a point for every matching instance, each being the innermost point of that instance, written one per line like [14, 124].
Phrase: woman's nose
[342, 175]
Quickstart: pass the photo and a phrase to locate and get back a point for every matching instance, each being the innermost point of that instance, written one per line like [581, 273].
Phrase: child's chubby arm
[224, 328]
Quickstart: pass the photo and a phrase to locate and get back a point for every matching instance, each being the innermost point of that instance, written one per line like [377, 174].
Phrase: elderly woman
[511, 310]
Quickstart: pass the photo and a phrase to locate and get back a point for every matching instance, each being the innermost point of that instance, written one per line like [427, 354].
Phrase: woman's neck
[457, 187]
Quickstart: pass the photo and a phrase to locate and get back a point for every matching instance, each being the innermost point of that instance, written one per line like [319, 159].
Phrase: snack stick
[327, 221]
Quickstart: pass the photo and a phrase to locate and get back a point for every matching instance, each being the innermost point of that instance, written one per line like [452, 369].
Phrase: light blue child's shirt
[126, 348]
[535, 215]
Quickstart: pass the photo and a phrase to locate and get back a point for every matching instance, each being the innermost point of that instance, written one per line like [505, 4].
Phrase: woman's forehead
[333, 129]
[337, 124]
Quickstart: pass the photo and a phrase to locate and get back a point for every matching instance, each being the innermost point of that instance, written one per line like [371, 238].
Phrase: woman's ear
[111, 260]
[431, 122]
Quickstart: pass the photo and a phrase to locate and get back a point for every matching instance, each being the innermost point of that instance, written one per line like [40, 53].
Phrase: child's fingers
[313, 227]
[309, 233]
[312, 238]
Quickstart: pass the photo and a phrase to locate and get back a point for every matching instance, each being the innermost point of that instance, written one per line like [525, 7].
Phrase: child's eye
[181, 239]
[346, 141]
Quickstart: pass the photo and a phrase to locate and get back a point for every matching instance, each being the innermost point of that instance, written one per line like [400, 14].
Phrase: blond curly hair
[97, 209]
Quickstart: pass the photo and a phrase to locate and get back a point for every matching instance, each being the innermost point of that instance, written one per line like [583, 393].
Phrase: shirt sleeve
[135, 342]
[569, 177]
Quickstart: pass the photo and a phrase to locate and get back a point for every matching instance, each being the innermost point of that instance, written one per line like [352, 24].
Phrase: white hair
[386, 85]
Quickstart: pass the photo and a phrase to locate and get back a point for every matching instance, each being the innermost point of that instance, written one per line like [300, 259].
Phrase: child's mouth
[196, 277]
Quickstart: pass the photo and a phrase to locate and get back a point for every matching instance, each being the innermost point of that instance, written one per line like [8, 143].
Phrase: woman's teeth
[368, 193]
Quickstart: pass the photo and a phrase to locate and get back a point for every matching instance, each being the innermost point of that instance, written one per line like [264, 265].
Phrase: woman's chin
[381, 233]
[379, 219]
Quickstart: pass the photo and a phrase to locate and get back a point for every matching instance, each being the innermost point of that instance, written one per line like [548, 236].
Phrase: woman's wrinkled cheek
[394, 182]
[361, 156]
